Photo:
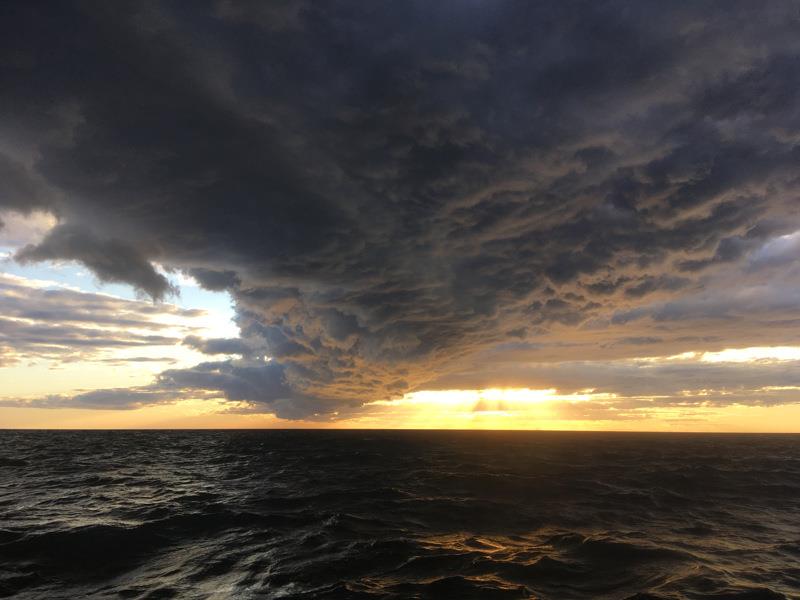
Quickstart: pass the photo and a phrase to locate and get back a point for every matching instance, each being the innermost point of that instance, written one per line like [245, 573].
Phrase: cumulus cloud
[388, 194]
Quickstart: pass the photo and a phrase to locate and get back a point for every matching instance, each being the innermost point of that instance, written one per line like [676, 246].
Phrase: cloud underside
[599, 390]
[478, 194]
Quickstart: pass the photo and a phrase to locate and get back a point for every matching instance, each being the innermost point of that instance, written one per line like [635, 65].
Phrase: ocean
[398, 514]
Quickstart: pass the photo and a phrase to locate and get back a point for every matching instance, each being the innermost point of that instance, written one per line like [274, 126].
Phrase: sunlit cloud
[20, 229]
[769, 353]
[55, 337]
[477, 227]
[493, 407]
[492, 399]
[729, 355]
[778, 252]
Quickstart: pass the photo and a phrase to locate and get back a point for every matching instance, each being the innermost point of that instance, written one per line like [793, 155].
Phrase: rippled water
[283, 514]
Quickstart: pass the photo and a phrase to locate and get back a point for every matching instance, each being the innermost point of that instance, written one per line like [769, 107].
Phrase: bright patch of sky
[19, 230]
[29, 376]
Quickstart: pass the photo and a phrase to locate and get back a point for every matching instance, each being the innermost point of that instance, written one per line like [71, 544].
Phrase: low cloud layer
[40, 321]
[394, 194]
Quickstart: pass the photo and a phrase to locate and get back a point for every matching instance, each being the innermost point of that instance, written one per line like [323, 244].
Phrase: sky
[455, 214]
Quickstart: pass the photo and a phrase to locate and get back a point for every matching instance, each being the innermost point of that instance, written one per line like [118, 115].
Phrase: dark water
[281, 514]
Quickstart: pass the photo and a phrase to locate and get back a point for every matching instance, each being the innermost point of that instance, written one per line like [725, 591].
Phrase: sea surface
[392, 514]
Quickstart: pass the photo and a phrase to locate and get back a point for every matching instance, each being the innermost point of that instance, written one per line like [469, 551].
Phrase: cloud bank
[398, 193]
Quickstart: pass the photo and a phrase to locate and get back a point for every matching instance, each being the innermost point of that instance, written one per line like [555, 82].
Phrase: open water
[393, 514]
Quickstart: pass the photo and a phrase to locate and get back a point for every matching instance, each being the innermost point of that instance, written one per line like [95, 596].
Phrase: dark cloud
[20, 189]
[110, 260]
[216, 281]
[389, 189]
[246, 386]
[218, 345]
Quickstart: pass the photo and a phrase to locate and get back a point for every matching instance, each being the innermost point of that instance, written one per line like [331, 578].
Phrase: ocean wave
[301, 515]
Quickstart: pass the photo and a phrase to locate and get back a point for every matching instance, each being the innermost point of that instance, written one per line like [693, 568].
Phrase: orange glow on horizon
[489, 409]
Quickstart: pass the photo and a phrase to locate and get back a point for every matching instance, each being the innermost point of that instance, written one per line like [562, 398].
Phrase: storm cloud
[109, 260]
[390, 190]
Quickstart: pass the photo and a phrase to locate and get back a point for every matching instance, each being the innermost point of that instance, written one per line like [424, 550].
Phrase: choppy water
[282, 514]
